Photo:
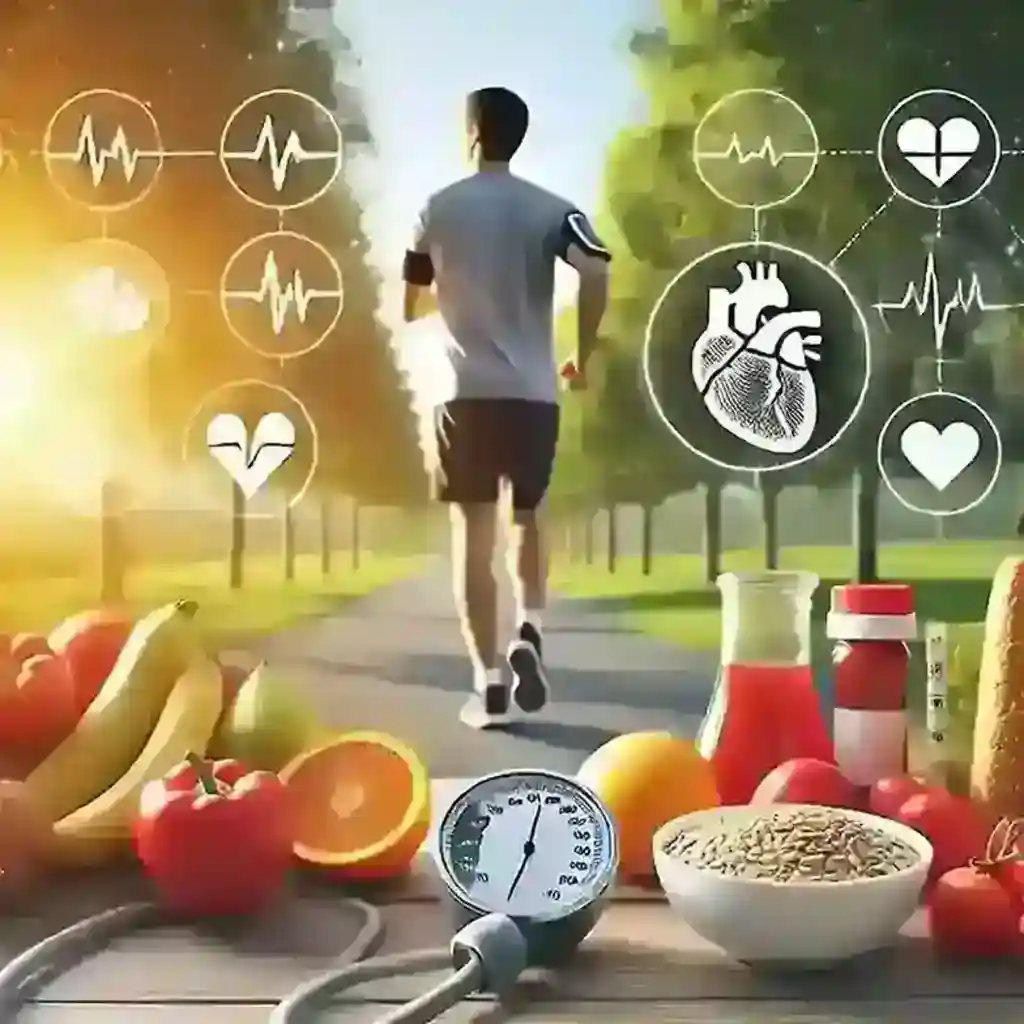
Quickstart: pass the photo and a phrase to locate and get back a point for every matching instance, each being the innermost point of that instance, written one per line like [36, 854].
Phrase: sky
[566, 58]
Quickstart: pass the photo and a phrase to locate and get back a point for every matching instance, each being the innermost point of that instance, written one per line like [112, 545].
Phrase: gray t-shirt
[489, 244]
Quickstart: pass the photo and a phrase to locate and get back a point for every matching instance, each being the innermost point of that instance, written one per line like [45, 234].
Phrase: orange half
[362, 805]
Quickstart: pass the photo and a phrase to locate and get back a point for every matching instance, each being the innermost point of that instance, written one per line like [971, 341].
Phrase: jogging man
[484, 254]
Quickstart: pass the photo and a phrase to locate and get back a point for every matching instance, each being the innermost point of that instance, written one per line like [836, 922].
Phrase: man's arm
[418, 273]
[589, 257]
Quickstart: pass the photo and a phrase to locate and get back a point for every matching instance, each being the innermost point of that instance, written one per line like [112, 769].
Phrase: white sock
[531, 617]
[487, 677]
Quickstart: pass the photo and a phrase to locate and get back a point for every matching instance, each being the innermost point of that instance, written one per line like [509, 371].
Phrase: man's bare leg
[474, 530]
[528, 568]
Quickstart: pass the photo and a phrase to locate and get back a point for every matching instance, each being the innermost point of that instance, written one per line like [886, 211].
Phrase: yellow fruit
[103, 828]
[116, 725]
[646, 779]
[269, 723]
[362, 803]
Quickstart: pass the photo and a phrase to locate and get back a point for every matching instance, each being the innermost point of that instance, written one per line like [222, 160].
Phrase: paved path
[395, 662]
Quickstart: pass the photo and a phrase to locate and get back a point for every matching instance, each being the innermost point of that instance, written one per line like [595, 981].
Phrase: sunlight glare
[19, 385]
[104, 303]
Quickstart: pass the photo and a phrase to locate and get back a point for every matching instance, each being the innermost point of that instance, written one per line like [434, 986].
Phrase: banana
[102, 829]
[114, 729]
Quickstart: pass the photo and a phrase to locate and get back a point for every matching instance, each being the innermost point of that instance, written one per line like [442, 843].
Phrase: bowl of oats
[795, 885]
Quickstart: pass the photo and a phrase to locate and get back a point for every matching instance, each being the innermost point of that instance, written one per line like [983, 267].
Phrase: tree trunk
[588, 538]
[354, 537]
[113, 553]
[326, 539]
[236, 554]
[647, 541]
[865, 522]
[712, 532]
[288, 540]
[613, 538]
[770, 519]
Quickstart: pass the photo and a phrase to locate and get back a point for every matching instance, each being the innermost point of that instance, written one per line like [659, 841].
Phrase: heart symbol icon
[251, 465]
[938, 152]
[940, 456]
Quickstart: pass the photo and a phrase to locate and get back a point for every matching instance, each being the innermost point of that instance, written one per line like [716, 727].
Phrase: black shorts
[484, 441]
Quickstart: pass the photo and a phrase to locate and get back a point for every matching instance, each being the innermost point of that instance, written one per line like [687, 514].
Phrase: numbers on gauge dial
[528, 849]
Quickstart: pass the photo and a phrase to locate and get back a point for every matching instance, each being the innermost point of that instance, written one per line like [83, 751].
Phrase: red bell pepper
[215, 838]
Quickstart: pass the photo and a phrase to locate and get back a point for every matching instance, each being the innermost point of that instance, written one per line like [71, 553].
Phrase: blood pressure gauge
[536, 846]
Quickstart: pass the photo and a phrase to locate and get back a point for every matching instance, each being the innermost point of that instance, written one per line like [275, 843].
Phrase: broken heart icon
[938, 152]
[751, 364]
[251, 463]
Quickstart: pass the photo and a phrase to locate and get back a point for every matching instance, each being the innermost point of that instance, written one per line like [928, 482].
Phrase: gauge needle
[528, 851]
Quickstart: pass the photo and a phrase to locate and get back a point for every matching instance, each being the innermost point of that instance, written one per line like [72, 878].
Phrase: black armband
[418, 269]
[576, 230]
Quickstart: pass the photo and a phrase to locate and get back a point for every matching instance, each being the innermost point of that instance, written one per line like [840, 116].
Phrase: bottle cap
[872, 611]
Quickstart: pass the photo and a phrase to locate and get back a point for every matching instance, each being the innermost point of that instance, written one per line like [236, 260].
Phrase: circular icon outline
[225, 158]
[771, 94]
[960, 97]
[887, 480]
[134, 254]
[157, 154]
[861, 320]
[252, 382]
[224, 293]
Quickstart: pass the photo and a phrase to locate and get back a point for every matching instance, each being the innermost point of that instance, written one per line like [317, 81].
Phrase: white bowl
[790, 923]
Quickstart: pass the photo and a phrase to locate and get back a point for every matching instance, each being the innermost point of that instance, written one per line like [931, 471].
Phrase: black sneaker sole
[530, 685]
[496, 700]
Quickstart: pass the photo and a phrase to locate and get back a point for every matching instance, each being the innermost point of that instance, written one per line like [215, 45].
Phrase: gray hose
[42, 963]
[297, 1005]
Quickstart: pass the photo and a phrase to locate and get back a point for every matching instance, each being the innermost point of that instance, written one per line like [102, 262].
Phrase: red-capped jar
[872, 624]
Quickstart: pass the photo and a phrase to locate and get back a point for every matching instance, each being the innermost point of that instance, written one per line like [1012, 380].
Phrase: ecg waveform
[280, 158]
[925, 298]
[97, 158]
[283, 297]
[765, 152]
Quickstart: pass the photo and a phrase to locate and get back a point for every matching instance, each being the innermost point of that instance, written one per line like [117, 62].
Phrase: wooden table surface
[641, 964]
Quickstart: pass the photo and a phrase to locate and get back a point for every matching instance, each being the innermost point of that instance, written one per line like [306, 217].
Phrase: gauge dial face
[532, 845]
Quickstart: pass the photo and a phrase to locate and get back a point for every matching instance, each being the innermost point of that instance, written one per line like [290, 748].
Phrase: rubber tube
[296, 1006]
[48, 959]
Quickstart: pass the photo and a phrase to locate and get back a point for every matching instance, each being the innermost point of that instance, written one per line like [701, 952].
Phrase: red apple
[956, 829]
[887, 796]
[29, 645]
[806, 781]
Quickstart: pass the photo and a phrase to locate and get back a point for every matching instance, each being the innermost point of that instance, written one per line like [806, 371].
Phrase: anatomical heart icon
[752, 362]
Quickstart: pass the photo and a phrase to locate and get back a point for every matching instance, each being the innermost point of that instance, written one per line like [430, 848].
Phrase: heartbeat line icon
[98, 158]
[766, 152]
[283, 297]
[925, 298]
[280, 158]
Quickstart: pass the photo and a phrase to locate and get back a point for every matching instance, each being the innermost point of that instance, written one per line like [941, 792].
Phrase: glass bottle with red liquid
[765, 709]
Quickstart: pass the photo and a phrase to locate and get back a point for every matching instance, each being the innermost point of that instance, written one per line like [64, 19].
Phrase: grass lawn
[674, 603]
[951, 582]
[265, 604]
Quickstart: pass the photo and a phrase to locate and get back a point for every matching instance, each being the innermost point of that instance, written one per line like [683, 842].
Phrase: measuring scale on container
[765, 709]
[536, 846]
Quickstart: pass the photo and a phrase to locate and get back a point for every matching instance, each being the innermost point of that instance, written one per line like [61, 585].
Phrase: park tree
[812, 52]
[192, 63]
[659, 215]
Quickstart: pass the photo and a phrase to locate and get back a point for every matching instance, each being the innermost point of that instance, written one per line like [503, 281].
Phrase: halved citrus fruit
[362, 805]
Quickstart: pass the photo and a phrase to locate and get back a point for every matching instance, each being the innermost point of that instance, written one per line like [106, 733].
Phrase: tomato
[971, 914]
[806, 781]
[215, 838]
[956, 829]
[37, 708]
[887, 796]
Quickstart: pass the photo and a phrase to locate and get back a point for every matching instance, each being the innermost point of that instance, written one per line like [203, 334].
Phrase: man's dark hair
[501, 119]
